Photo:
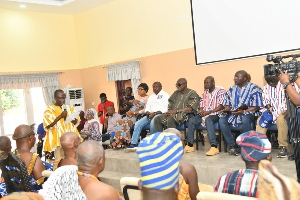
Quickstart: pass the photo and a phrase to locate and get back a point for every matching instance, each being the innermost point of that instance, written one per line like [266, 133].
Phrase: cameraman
[293, 94]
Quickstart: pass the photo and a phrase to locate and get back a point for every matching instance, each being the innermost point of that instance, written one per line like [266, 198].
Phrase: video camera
[292, 67]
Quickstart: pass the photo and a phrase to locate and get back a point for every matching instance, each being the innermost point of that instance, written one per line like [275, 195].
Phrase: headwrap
[91, 112]
[159, 156]
[255, 146]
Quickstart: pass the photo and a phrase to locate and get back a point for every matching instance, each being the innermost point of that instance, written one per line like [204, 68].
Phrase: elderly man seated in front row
[72, 182]
[25, 139]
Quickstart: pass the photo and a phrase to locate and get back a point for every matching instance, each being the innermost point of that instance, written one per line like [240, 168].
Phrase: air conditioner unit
[75, 98]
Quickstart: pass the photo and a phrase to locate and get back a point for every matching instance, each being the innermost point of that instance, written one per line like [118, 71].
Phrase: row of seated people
[233, 108]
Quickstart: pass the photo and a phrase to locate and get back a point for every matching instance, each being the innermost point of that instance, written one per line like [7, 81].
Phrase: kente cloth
[53, 134]
[275, 186]
[210, 101]
[180, 100]
[63, 184]
[32, 180]
[276, 98]
[255, 146]
[240, 182]
[184, 189]
[23, 196]
[159, 156]
[94, 128]
[250, 95]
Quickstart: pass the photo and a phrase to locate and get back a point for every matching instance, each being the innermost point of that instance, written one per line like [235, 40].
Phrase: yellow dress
[184, 189]
[53, 134]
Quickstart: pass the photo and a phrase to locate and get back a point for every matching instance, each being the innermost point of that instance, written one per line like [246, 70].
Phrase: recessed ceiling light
[22, 6]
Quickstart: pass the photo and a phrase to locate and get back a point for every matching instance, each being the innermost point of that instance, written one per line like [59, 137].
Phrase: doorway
[120, 92]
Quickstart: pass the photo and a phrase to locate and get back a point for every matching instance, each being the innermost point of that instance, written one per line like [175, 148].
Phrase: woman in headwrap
[92, 128]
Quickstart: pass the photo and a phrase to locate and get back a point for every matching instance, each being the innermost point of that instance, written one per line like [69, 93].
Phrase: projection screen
[235, 29]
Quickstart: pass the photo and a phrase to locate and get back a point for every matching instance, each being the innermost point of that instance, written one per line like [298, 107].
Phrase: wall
[31, 41]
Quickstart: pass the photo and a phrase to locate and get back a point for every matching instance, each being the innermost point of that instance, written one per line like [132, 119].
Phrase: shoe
[232, 151]
[282, 153]
[212, 151]
[131, 148]
[291, 157]
[188, 149]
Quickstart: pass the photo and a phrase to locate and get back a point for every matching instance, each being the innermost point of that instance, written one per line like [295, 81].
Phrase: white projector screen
[235, 29]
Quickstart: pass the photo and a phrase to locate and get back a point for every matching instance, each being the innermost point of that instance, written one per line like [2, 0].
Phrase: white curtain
[125, 71]
[48, 81]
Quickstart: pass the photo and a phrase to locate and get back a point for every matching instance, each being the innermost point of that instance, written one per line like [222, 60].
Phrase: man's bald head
[69, 140]
[22, 131]
[5, 146]
[173, 130]
[89, 153]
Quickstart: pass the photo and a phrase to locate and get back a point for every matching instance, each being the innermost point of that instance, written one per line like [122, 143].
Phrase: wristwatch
[284, 85]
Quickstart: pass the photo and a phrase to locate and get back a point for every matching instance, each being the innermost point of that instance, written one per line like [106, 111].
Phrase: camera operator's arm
[292, 93]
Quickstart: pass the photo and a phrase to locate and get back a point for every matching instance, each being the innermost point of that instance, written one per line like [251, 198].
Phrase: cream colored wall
[31, 41]
[123, 30]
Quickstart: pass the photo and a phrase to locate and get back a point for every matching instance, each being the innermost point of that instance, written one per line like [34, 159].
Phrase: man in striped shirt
[273, 95]
[254, 147]
[242, 100]
[210, 105]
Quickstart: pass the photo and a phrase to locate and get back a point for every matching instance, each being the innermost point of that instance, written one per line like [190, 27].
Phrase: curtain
[125, 71]
[48, 81]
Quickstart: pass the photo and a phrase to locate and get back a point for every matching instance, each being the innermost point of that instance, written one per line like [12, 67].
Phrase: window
[20, 106]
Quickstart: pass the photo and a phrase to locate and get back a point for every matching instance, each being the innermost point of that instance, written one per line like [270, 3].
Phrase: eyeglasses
[179, 84]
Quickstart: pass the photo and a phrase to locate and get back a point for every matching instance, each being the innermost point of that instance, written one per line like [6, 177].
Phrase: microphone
[65, 108]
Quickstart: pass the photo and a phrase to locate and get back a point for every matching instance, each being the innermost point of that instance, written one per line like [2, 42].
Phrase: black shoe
[291, 157]
[282, 153]
[232, 151]
[131, 148]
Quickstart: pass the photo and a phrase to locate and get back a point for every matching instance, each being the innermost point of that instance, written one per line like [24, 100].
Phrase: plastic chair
[200, 128]
[129, 186]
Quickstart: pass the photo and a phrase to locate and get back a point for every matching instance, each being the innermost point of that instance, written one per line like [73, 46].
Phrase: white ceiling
[74, 7]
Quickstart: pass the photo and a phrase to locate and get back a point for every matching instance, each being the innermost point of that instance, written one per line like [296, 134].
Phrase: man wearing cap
[274, 99]
[102, 109]
[254, 148]
[159, 156]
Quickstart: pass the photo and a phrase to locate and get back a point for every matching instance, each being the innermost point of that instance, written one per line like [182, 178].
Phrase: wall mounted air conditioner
[75, 98]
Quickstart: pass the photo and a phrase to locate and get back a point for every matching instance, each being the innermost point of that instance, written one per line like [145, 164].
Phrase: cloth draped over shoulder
[180, 100]
[53, 134]
[63, 184]
[184, 189]
[250, 95]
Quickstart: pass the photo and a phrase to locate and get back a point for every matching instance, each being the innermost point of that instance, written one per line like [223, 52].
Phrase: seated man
[254, 148]
[126, 101]
[110, 124]
[181, 101]
[210, 105]
[25, 140]
[5, 147]
[156, 105]
[91, 162]
[159, 155]
[188, 178]
[69, 142]
[241, 102]
[274, 98]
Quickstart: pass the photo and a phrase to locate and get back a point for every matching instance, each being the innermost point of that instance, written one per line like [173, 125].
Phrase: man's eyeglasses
[179, 84]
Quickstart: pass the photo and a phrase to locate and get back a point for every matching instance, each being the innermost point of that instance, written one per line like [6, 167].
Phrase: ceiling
[70, 7]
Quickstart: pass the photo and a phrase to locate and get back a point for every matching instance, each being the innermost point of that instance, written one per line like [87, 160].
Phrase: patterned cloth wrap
[34, 185]
[63, 184]
[255, 146]
[159, 156]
